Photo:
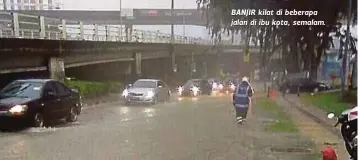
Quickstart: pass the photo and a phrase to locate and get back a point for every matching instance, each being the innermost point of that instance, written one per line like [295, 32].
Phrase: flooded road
[201, 128]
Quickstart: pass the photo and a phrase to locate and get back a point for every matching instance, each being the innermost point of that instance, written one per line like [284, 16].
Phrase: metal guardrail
[16, 25]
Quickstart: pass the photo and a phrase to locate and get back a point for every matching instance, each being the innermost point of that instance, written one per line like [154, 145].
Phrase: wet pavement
[183, 129]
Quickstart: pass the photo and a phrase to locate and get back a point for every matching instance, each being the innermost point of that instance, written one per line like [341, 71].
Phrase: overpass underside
[127, 71]
[111, 61]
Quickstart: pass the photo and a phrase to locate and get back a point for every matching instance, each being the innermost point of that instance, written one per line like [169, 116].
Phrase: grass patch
[283, 122]
[314, 156]
[328, 102]
[94, 89]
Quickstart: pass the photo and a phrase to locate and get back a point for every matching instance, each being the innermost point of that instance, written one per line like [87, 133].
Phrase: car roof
[151, 80]
[35, 80]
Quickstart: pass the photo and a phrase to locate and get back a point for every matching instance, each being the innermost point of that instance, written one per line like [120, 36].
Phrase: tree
[303, 45]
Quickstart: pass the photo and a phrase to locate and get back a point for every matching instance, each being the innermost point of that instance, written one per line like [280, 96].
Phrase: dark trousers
[241, 111]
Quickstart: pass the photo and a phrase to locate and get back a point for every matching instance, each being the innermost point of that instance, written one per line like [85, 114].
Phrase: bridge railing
[16, 25]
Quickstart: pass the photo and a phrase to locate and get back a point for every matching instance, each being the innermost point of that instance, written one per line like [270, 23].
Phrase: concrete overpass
[34, 54]
[30, 43]
[131, 17]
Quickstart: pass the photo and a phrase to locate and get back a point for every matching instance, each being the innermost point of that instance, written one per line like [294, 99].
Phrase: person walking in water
[242, 99]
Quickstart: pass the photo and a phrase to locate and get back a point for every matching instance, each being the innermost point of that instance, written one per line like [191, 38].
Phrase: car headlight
[18, 109]
[215, 85]
[232, 86]
[195, 89]
[324, 86]
[125, 93]
[180, 89]
[150, 94]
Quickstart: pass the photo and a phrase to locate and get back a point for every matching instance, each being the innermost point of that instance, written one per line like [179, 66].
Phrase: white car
[149, 91]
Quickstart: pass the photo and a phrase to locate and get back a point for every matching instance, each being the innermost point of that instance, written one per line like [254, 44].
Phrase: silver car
[149, 91]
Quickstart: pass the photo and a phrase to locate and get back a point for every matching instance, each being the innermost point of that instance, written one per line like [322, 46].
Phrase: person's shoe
[239, 119]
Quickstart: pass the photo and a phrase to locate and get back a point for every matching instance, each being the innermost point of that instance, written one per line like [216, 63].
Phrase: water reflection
[149, 112]
[16, 150]
[123, 110]
[124, 119]
[195, 99]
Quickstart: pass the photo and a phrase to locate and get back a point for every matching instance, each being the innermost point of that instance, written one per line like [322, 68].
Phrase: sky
[193, 31]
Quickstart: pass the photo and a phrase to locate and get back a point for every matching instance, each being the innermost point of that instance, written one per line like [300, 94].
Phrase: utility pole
[174, 67]
[4, 2]
[345, 55]
[120, 20]
[184, 23]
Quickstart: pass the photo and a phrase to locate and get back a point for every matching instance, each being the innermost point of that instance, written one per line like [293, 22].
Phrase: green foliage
[94, 89]
[328, 102]
[282, 122]
[299, 44]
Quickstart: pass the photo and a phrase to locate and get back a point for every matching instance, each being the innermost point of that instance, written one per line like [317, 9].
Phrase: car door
[51, 103]
[312, 85]
[306, 85]
[65, 99]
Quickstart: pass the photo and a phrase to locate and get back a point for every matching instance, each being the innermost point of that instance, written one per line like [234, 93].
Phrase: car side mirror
[129, 86]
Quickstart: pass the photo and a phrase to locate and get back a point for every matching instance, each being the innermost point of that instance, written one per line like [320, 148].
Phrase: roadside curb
[315, 114]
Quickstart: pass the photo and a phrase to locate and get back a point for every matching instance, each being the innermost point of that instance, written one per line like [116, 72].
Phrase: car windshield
[228, 82]
[144, 84]
[22, 89]
[214, 80]
[192, 82]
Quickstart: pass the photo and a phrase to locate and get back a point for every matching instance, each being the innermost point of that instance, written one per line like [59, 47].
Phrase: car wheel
[73, 115]
[38, 120]
[315, 90]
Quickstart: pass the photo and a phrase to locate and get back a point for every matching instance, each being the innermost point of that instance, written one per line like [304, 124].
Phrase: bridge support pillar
[42, 27]
[137, 64]
[16, 24]
[129, 31]
[56, 68]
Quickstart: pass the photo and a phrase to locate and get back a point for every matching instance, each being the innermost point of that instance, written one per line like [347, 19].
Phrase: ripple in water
[40, 129]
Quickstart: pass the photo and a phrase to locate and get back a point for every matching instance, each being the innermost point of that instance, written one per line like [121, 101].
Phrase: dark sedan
[195, 87]
[228, 87]
[37, 101]
[304, 85]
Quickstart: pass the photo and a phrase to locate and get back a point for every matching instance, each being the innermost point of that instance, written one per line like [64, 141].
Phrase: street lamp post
[120, 20]
[172, 37]
[184, 27]
[345, 55]
[4, 2]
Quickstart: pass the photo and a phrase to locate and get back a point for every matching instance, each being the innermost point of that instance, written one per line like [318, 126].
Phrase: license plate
[135, 98]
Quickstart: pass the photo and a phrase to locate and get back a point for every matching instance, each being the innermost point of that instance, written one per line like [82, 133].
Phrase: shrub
[94, 89]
